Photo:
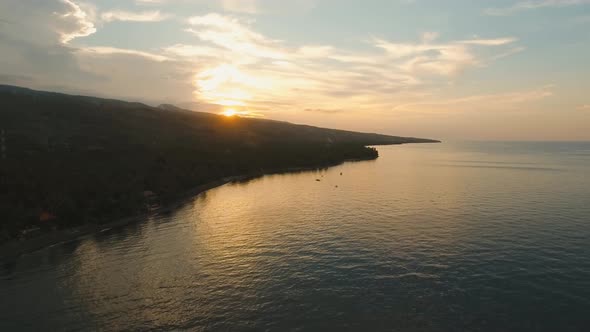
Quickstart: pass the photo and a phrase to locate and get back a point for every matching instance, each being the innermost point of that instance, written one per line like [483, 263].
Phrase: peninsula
[74, 160]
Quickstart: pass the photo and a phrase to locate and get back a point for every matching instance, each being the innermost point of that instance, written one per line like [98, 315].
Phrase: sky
[447, 69]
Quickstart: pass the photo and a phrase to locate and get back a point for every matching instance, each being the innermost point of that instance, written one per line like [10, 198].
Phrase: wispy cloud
[438, 58]
[231, 64]
[229, 33]
[192, 51]
[241, 67]
[508, 53]
[489, 42]
[324, 111]
[499, 101]
[235, 59]
[114, 50]
[266, 6]
[533, 4]
[144, 16]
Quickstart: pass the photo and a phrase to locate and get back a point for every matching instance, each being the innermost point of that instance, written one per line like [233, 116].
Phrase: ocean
[458, 236]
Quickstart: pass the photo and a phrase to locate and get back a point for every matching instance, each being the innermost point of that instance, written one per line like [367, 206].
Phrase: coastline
[15, 248]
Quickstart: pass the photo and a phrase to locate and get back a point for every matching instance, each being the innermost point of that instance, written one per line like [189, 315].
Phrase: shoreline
[13, 249]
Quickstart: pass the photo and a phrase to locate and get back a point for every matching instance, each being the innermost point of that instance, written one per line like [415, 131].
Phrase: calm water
[448, 237]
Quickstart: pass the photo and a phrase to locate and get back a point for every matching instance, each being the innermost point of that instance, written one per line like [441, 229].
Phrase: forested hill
[84, 159]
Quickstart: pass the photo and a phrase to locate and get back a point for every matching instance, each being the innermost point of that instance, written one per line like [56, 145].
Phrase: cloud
[489, 42]
[47, 22]
[240, 67]
[508, 53]
[445, 59]
[223, 61]
[501, 101]
[266, 6]
[135, 75]
[37, 51]
[41, 64]
[324, 111]
[77, 23]
[113, 50]
[400, 50]
[37, 46]
[192, 51]
[244, 68]
[229, 33]
[530, 5]
[145, 16]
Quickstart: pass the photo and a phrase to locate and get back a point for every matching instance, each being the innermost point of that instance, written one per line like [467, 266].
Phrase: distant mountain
[170, 107]
[88, 160]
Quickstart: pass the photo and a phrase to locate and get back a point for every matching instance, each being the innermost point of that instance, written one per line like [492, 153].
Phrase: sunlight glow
[230, 112]
[229, 86]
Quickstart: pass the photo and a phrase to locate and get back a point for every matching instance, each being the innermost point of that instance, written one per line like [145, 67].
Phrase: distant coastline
[15, 248]
[75, 163]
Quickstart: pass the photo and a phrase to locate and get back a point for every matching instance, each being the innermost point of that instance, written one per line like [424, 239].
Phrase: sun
[230, 112]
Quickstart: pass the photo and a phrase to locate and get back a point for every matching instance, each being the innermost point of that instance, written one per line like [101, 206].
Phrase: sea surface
[473, 236]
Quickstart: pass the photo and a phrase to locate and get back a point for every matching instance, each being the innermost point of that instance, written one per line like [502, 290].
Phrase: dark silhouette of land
[72, 160]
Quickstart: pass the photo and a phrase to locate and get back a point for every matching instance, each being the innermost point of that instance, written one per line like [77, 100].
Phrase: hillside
[79, 159]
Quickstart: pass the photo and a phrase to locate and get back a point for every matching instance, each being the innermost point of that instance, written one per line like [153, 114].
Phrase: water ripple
[402, 244]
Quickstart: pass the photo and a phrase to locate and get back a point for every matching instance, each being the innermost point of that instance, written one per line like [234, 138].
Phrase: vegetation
[71, 160]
